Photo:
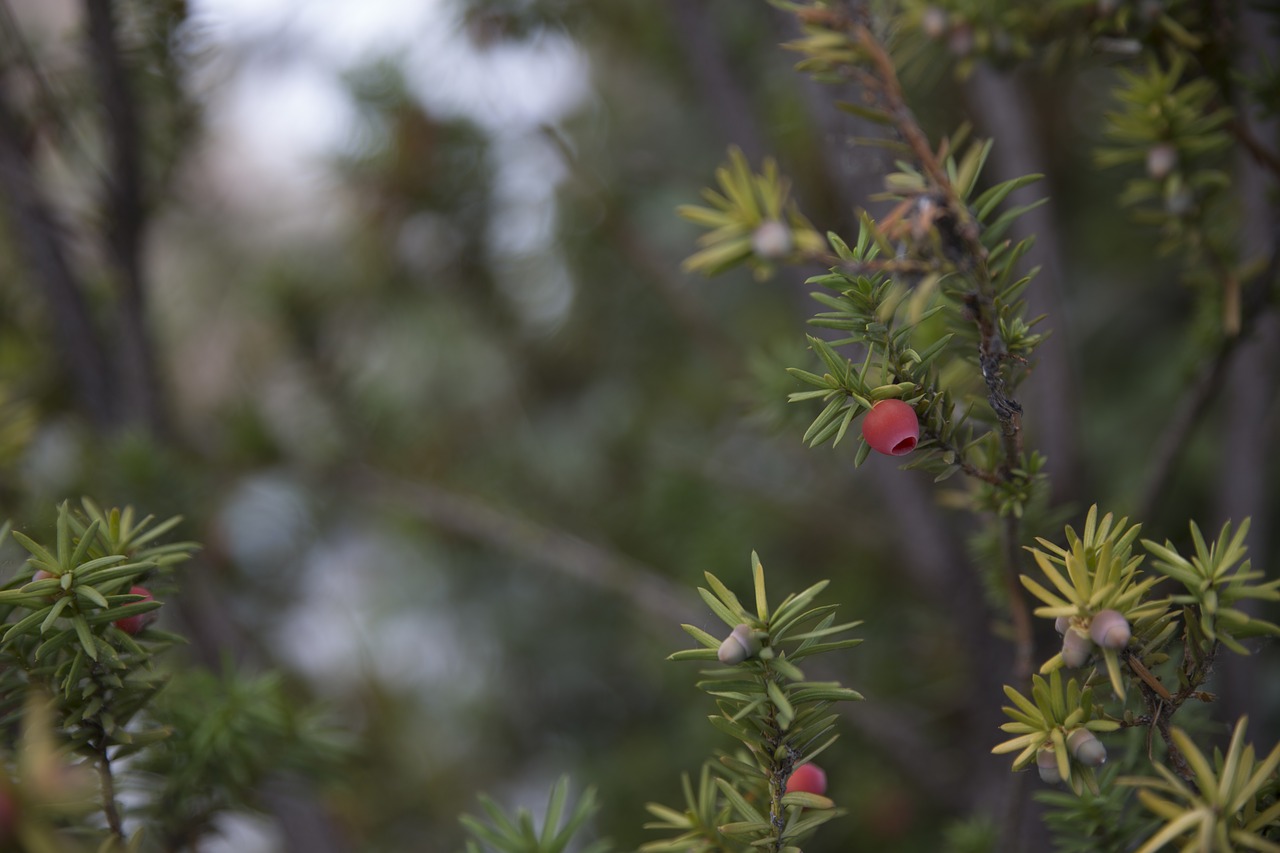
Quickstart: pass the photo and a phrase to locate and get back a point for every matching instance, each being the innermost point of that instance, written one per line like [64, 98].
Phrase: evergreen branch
[106, 778]
[1162, 705]
[980, 303]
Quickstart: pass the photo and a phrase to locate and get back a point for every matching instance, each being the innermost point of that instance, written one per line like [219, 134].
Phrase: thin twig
[110, 810]
[1194, 404]
[961, 227]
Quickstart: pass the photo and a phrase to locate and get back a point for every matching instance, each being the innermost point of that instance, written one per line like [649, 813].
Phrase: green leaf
[85, 636]
[988, 201]
[24, 625]
[726, 615]
[785, 712]
[762, 599]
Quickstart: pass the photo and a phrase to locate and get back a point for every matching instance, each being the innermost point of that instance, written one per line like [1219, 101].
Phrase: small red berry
[891, 427]
[809, 778]
[134, 624]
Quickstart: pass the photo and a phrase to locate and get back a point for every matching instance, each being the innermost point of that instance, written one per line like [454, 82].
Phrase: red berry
[809, 778]
[134, 624]
[891, 427]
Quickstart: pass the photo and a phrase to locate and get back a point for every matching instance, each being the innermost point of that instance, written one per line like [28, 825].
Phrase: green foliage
[1046, 724]
[697, 827]
[91, 714]
[764, 702]
[929, 298]
[227, 735]
[1228, 808]
[503, 833]
[1101, 574]
[753, 220]
[1088, 822]
[1214, 582]
[60, 629]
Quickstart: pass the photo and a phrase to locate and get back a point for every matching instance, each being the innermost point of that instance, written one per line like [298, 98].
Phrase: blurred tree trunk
[1249, 434]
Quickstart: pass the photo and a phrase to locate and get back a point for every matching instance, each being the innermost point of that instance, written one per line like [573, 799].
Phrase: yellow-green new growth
[1095, 573]
[1215, 579]
[1220, 812]
[1048, 722]
[752, 220]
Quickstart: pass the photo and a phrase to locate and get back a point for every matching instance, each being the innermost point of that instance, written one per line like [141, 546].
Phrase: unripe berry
[1161, 158]
[891, 427]
[42, 574]
[738, 646]
[934, 22]
[1110, 630]
[771, 240]
[1179, 200]
[1047, 764]
[1086, 748]
[809, 778]
[961, 40]
[1076, 648]
[134, 624]
[1061, 624]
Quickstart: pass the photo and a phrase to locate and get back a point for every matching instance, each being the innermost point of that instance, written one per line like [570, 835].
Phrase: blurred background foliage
[459, 436]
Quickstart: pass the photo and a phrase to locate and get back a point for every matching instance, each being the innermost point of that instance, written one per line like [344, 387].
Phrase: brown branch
[553, 549]
[40, 238]
[1194, 404]
[1261, 154]
[126, 218]
[1162, 705]
[957, 226]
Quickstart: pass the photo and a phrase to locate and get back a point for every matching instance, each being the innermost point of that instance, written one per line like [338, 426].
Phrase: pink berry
[809, 778]
[134, 624]
[891, 427]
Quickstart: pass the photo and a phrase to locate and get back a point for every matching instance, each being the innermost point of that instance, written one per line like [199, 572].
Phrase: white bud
[771, 240]
[1076, 648]
[1086, 748]
[738, 646]
[1110, 630]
